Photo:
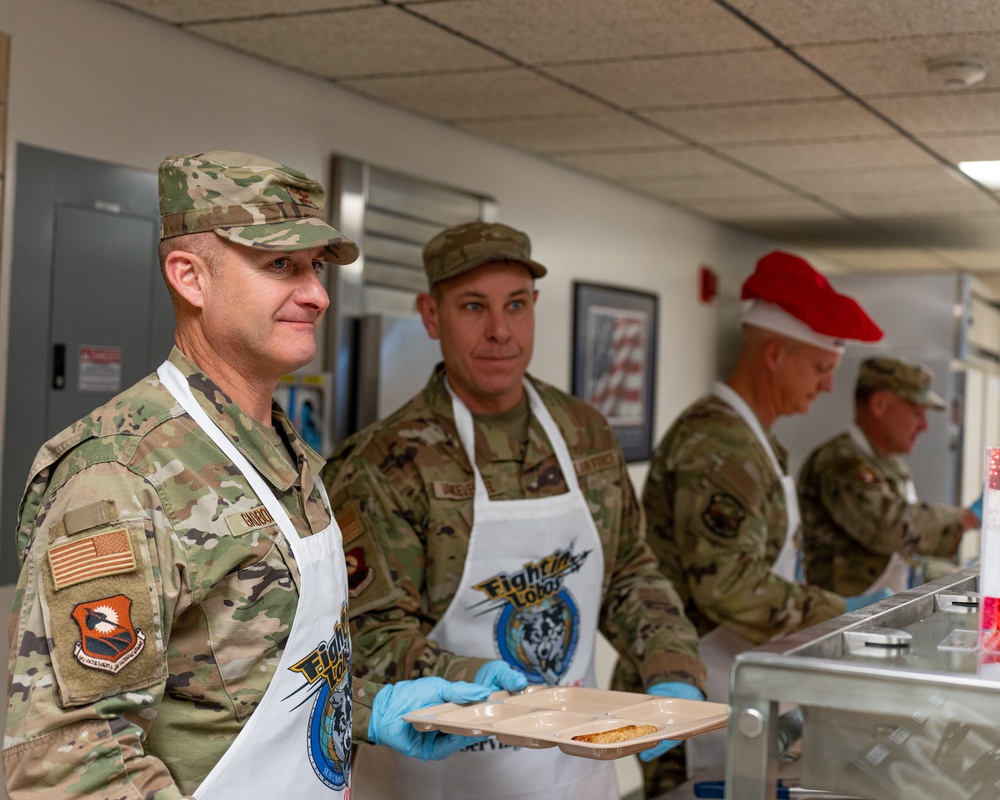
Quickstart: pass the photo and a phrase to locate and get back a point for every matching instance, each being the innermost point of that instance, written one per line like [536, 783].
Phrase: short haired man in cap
[864, 527]
[494, 517]
[180, 624]
[720, 507]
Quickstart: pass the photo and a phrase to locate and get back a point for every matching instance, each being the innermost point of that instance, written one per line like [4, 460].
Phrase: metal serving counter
[898, 702]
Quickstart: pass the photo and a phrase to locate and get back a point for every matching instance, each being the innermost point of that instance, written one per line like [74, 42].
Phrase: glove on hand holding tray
[551, 716]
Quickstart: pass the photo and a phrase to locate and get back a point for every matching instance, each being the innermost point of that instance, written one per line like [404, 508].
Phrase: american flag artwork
[615, 369]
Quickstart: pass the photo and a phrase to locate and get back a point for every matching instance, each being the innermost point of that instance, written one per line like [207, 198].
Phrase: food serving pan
[550, 716]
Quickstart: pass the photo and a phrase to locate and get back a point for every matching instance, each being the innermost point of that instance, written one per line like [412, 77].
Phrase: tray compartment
[573, 698]
[476, 720]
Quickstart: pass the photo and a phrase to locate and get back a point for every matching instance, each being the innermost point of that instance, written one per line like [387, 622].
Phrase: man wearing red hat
[722, 512]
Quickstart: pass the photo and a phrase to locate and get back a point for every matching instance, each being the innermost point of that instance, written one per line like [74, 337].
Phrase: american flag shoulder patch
[96, 556]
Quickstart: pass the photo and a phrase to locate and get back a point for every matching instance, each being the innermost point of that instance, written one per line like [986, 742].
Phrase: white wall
[94, 80]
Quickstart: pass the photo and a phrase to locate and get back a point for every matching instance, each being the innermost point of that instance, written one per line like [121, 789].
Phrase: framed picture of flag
[614, 360]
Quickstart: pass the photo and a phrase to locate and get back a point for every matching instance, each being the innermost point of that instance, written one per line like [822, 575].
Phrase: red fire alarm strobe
[709, 283]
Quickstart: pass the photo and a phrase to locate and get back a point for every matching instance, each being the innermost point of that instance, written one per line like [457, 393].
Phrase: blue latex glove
[862, 600]
[392, 701]
[977, 508]
[680, 690]
[501, 675]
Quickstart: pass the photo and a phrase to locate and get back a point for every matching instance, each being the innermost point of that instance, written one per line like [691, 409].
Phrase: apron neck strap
[175, 382]
[467, 435]
[730, 396]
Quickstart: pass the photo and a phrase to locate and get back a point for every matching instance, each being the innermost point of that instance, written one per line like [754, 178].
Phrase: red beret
[790, 283]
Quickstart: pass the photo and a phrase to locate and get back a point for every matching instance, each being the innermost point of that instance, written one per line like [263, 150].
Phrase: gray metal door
[101, 310]
[89, 313]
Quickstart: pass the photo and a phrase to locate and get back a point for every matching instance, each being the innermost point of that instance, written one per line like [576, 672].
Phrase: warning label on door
[100, 369]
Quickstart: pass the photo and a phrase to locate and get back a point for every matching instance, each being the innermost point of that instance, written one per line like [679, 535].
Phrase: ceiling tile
[970, 110]
[973, 258]
[913, 204]
[555, 31]
[657, 83]
[371, 41]
[647, 164]
[787, 209]
[203, 10]
[570, 134]
[471, 95]
[847, 20]
[782, 159]
[965, 146]
[934, 178]
[724, 186]
[875, 68]
[886, 258]
[976, 230]
[771, 122]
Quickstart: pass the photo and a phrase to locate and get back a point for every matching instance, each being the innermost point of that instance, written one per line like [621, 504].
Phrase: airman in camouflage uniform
[402, 491]
[157, 592]
[858, 504]
[718, 507]
[716, 515]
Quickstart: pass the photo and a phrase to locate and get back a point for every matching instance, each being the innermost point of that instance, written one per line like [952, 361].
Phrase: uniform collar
[499, 447]
[248, 435]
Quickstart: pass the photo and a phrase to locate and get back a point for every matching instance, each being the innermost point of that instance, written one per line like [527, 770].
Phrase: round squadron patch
[724, 515]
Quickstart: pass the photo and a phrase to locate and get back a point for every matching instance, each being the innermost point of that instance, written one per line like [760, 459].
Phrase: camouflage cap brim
[927, 399]
[300, 234]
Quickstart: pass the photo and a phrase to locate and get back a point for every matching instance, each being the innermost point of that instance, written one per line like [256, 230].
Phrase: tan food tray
[550, 716]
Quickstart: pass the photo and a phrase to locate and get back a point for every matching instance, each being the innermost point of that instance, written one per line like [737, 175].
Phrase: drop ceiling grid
[376, 40]
[552, 32]
[670, 97]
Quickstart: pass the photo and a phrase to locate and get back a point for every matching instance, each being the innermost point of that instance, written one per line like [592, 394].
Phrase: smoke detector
[957, 73]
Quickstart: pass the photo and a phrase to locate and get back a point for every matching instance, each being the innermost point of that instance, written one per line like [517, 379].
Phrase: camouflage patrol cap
[472, 244]
[248, 200]
[908, 379]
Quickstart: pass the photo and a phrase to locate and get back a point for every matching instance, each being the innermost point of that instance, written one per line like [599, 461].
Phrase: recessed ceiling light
[985, 172]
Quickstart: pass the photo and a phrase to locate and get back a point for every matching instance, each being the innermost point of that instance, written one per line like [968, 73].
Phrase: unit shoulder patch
[723, 515]
[867, 476]
[108, 641]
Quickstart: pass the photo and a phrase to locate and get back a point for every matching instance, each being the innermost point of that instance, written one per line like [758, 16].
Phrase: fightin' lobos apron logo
[327, 671]
[538, 625]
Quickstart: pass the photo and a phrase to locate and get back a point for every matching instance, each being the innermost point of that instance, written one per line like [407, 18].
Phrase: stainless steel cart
[898, 702]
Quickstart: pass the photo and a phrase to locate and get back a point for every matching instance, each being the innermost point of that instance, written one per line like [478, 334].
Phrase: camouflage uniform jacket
[211, 582]
[402, 490]
[856, 514]
[716, 519]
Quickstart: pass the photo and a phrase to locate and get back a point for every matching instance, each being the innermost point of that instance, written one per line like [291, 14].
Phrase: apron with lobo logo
[297, 742]
[529, 594]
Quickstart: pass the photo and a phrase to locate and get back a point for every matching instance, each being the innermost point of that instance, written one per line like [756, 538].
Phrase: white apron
[719, 647]
[297, 742]
[898, 573]
[520, 551]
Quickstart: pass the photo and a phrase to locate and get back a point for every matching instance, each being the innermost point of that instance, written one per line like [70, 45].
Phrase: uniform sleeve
[642, 616]
[87, 666]
[867, 508]
[723, 516]
[382, 515]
